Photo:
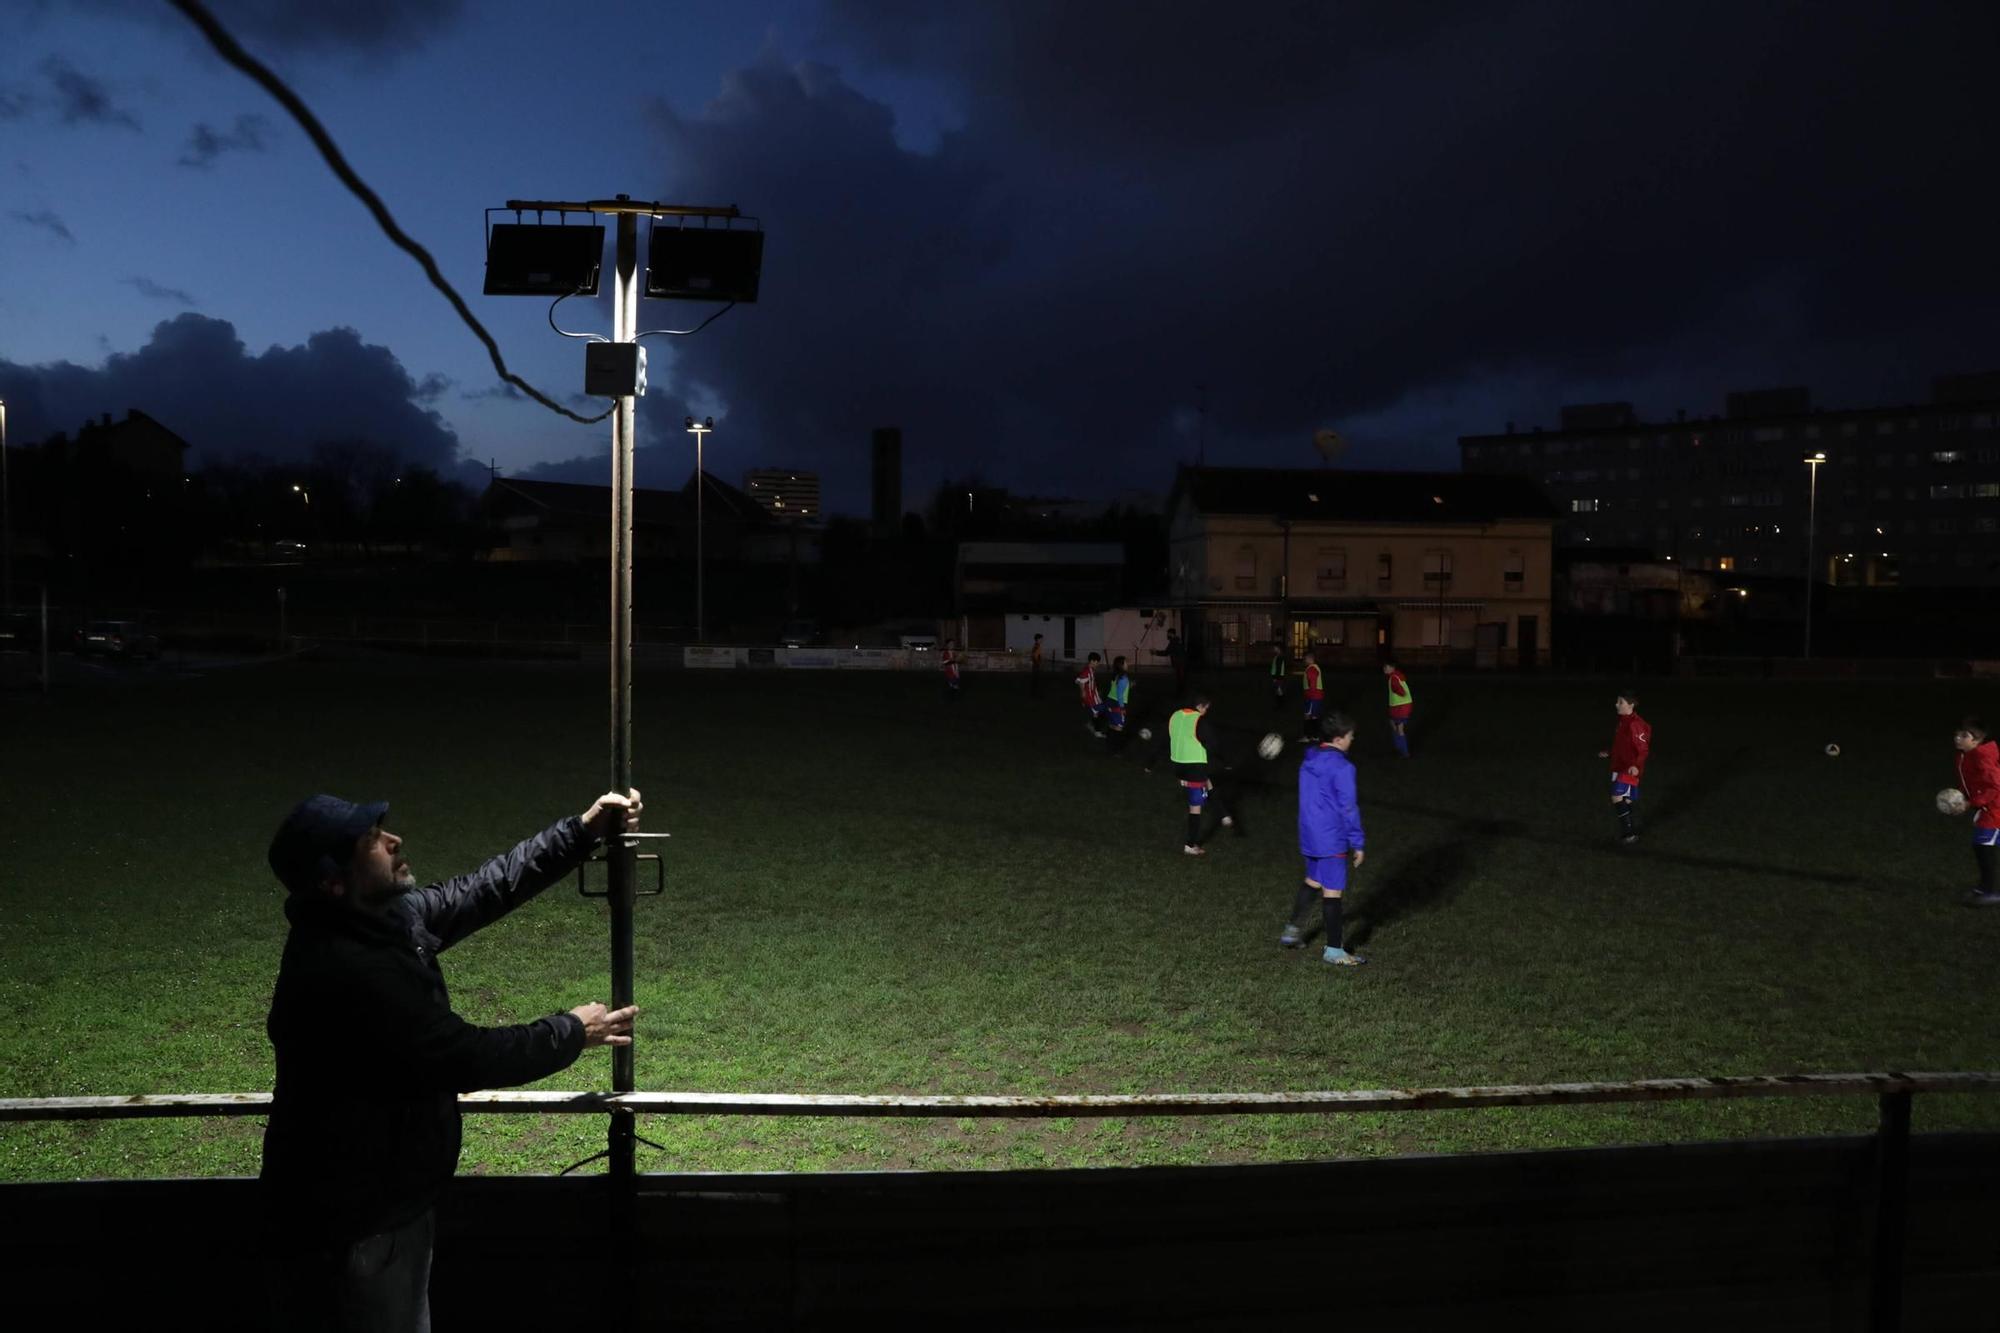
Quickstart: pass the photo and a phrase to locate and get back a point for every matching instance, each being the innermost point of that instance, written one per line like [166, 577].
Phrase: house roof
[1339, 495]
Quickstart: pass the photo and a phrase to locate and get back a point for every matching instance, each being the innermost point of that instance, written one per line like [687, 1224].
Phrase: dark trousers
[378, 1284]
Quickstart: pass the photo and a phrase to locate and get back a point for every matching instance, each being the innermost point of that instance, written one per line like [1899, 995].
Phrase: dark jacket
[1329, 815]
[364, 1127]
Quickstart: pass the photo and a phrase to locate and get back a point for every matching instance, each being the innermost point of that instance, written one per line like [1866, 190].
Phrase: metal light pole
[1812, 516]
[6, 521]
[699, 429]
[620, 859]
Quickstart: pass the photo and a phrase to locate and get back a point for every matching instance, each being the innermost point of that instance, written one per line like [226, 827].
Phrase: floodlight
[524, 259]
[704, 263]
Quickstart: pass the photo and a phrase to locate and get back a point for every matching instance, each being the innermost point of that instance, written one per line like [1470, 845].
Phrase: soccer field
[872, 889]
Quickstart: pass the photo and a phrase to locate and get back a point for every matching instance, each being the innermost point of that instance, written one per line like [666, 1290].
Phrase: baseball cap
[317, 838]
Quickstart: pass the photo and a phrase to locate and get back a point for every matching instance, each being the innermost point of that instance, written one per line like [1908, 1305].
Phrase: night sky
[1037, 236]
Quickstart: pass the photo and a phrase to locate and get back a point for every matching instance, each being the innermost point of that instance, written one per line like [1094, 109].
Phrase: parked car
[20, 632]
[801, 634]
[922, 637]
[117, 638]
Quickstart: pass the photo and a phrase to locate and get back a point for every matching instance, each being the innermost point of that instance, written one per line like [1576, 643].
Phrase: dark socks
[1986, 856]
[1194, 828]
[1303, 904]
[1330, 909]
[1627, 824]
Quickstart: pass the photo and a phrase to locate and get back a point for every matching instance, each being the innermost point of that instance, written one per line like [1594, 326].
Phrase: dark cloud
[148, 288]
[1423, 220]
[502, 390]
[431, 387]
[195, 376]
[46, 221]
[81, 99]
[206, 143]
[14, 103]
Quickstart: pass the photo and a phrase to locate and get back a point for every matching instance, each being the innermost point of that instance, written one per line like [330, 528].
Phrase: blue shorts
[1985, 837]
[1197, 791]
[1312, 707]
[1330, 872]
[1624, 791]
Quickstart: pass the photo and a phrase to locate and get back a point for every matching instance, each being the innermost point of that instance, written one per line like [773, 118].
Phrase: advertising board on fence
[815, 658]
[874, 659]
[707, 656]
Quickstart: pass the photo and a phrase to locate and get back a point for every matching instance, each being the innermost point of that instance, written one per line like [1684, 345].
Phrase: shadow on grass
[1421, 883]
[1513, 829]
[1699, 790]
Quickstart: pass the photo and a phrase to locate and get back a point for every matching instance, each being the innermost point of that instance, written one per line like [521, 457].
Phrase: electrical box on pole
[614, 370]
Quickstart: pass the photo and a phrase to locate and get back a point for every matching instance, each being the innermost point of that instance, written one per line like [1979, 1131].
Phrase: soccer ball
[1951, 801]
[1145, 733]
[1271, 746]
[1833, 752]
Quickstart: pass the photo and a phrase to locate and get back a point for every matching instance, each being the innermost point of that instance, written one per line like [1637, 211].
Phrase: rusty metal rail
[1087, 1105]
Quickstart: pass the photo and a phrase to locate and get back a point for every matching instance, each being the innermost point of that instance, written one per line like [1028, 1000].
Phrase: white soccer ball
[1145, 733]
[1271, 746]
[1951, 801]
[1833, 752]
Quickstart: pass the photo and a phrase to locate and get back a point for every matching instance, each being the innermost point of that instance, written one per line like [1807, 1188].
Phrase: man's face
[376, 872]
[1966, 740]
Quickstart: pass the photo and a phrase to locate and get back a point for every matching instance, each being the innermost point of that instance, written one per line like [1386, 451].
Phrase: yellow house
[1361, 566]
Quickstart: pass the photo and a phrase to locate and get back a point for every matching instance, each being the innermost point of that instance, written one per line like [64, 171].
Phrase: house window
[1986, 490]
[1332, 569]
[1437, 569]
[1384, 572]
[1514, 571]
[1956, 492]
[1333, 632]
[1725, 562]
[1583, 506]
[1948, 456]
[1246, 569]
[1232, 629]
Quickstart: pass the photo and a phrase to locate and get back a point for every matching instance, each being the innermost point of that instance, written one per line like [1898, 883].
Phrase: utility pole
[620, 859]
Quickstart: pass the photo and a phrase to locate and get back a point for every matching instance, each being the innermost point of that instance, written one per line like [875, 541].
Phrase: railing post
[1892, 1178]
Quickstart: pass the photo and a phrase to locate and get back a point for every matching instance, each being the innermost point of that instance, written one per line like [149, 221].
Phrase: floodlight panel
[704, 263]
[524, 259]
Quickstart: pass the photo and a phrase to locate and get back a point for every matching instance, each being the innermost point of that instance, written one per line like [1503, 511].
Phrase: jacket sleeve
[1348, 807]
[436, 1049]
[455, 908]
[1642, 744]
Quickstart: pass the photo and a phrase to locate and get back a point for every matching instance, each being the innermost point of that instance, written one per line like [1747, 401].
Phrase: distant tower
[887, 510]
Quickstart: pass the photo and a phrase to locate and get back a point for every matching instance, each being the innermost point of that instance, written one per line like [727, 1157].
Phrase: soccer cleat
[1292, 938]
[1341, 957]
[1629, 839]
[1982, 898]
[1193, 850]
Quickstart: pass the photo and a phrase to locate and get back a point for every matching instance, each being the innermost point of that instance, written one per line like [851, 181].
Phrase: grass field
[872, 890]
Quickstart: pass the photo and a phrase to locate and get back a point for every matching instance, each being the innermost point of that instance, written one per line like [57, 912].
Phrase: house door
[1529, 645]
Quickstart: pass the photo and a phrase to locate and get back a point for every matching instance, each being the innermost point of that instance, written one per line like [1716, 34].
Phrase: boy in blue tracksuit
[1330, 836]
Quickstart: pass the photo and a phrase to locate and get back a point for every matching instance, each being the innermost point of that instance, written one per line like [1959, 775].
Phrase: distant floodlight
[704, 263]
[523, 259]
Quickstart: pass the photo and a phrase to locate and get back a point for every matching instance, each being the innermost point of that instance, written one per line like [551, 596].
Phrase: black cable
[593, 337]
[226, 46]
[678, 333]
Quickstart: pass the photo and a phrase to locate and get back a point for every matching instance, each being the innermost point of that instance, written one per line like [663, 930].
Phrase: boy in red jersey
[1979, 779]
[1315, 692]
[950, 665]
[1093, 702]
[1630, 745]
[1400, 705]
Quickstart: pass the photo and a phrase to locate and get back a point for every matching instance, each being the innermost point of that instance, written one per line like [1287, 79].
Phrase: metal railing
[1893, 1092]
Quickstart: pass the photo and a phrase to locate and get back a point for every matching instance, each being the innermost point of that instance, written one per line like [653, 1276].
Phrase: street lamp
[699, 429]
[1812, 515]
[303, 492]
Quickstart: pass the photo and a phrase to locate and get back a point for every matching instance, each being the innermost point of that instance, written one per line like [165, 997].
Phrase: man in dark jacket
[364, 1127]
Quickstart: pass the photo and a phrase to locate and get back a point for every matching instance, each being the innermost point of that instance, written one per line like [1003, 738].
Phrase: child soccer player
[1979, 779]
[1119, 699]
[1188, 748]
[1315, 689]
[1400, 704]
[1630, 745]
[950, 665]
[1277, 676]
[1093, 702]
[1035, 668]
[1330, 837]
